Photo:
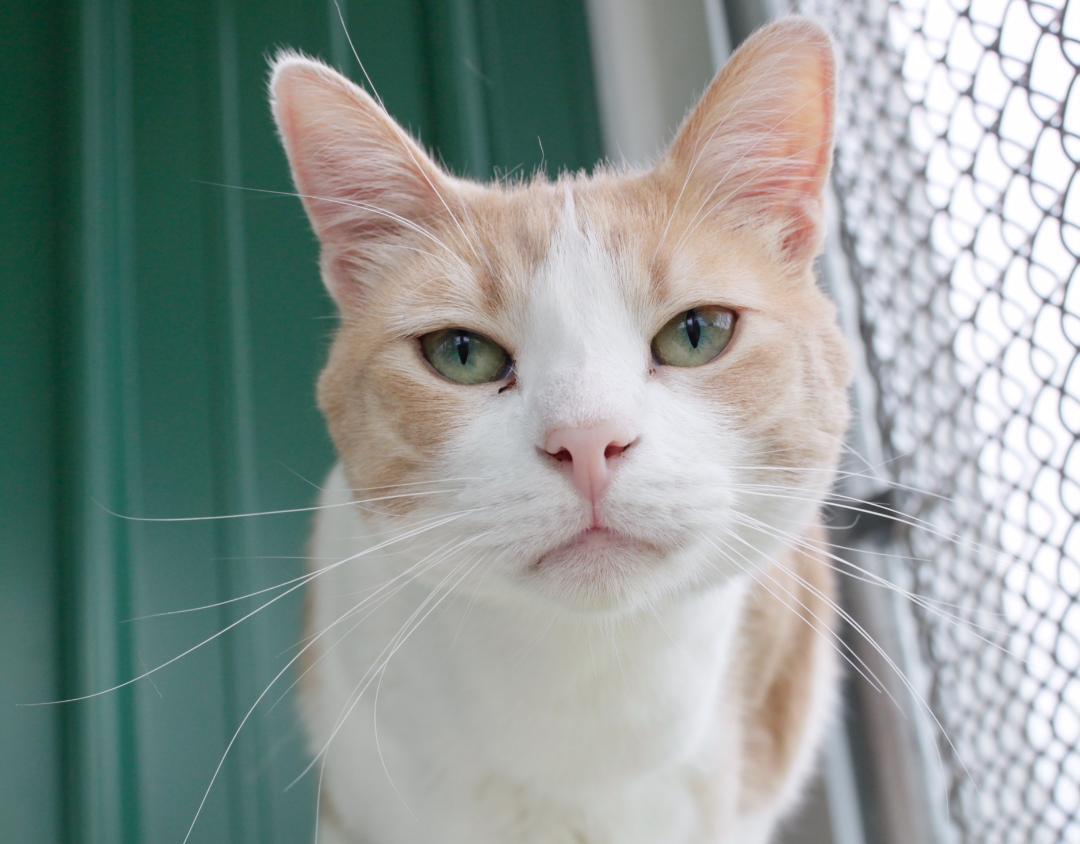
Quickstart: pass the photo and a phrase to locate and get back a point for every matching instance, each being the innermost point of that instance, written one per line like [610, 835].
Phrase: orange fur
[784, 635]
[388, 416]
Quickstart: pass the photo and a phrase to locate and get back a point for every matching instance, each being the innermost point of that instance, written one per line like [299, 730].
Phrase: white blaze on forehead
[569, 217]
[583, 358]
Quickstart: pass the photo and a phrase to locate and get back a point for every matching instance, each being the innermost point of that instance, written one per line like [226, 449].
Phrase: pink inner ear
[804, 234]
[761, 138]
[347, 210]
[362, 178]
[796, 187]
[359, 187]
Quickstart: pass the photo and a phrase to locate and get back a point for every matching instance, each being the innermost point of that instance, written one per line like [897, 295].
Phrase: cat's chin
[598, 546]
[598, 570]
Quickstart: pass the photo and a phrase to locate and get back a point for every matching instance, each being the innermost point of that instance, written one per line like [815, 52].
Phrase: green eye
[694, 337]
[464, 357]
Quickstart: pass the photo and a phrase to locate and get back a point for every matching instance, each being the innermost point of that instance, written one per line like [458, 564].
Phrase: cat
[567, 583]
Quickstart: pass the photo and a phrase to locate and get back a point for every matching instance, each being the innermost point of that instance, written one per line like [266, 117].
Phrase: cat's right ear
[362, 179]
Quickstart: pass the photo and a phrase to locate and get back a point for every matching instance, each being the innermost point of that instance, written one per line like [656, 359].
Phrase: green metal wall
[160, 336]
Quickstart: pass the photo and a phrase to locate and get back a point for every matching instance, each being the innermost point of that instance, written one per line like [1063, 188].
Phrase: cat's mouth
[598, 543]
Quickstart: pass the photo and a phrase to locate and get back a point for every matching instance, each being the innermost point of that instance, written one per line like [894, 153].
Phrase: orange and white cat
[565, 585]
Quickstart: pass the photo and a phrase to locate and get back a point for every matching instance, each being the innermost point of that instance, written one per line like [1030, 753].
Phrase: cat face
[619, 386]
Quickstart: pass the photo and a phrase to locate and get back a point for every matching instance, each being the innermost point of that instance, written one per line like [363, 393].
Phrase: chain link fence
[956, 172]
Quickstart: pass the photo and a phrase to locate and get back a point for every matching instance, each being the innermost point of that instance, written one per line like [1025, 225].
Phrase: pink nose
[589, 451]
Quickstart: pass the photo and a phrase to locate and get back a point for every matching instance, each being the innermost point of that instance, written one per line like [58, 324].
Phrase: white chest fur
[517, 723]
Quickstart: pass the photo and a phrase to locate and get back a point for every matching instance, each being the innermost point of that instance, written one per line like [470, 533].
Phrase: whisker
[462, 479]
[296, 474]
[306, 576]
[888, 555]
[933, 605]
[408, 149]
[375, 706]
[472, 602]
[361, 206]
[240, 558]
[266, 690]
[369, 676]
[408, 535]
[318, 799]
[881, 652]
[841, 473]
[879, 510]
[248, 714]
[425, 565]
[825, 631]
[382, 675]
[282, 512]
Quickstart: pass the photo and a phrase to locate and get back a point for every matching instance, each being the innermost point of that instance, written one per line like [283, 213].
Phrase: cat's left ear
[364, 182]
[758, 145]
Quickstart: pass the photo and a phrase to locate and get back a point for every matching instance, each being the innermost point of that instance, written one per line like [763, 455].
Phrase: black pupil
[461, 343]
[693, 328]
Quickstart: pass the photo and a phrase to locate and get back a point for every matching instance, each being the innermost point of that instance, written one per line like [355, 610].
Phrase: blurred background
[162, 323]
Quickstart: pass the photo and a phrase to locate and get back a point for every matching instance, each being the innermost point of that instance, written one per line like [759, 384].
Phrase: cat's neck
[646, 687]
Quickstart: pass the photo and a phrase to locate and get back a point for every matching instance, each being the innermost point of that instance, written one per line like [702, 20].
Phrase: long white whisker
[258, 700]
[858, 573]
[318, 799]
[408, 149]
[880, 651]
[375, 712]
[361, 206]
[881, 511]
[247, 716]
[472, 602]
[433, 481]
[282, 512]
[828, 472]
[243, 618]
[373, 671]
[381, 675]
[851, 657]
[407, 577]
[305, 577]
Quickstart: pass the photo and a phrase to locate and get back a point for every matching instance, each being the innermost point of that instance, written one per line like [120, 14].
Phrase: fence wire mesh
[956, 171]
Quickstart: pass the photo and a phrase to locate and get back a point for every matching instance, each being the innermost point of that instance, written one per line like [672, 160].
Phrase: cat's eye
[694, 337]
[465, 357]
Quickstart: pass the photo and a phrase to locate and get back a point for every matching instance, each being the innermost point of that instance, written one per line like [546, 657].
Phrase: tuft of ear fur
[362, 179]
[758, 145]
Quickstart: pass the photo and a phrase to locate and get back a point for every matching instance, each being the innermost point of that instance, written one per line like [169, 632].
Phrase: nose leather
[589, 450]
